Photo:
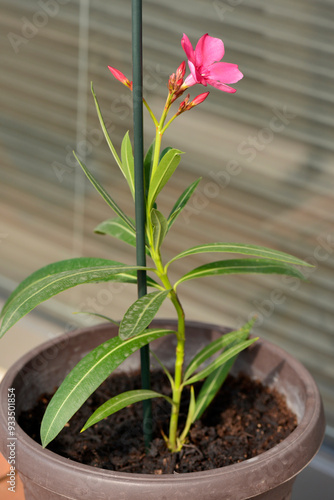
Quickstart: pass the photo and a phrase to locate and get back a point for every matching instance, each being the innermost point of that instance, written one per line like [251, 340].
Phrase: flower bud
[200, 98]
[119, 76]
[175, 82]
[180, 72]
[186, 105]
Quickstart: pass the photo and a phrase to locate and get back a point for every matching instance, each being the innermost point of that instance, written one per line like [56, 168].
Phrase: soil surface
[245, 420]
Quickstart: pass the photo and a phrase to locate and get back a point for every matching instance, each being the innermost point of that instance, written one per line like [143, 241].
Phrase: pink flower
[122, 78]
[204, 67]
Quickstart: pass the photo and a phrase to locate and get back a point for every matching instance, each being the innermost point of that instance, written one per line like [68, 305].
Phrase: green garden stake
[139, 196]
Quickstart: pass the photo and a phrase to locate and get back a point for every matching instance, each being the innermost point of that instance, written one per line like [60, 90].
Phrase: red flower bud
[175, 81]
[200, 98]
[122, 78]
[186, 105]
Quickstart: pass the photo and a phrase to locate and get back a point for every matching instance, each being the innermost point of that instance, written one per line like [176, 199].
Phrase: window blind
[265, 155]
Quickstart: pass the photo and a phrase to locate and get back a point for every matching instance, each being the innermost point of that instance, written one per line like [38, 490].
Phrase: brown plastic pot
[268, 476]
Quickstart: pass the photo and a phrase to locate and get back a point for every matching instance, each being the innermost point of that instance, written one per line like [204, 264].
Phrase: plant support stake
[137, 69]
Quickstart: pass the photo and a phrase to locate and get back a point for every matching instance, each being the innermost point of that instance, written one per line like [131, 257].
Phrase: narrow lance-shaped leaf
[181, 203]
[140, 314]
[107, 198]
[190, 416]
[223, 358]
[162, 174]
[97, 315]
[210, 387]
[221, 343]
[85, 378]
[128, 163]
[117, 228]
[215, 380]
[121, 401]
[159, 224]
[239, 248]
[105, 131]
[241, 266]
[148, 162]
[57, 277]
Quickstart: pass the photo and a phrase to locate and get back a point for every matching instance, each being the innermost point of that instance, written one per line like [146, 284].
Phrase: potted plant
[85, 359]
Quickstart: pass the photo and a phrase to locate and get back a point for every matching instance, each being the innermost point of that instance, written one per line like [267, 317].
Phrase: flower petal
[224, 72]
[198, 78]
[189, 82]
[188, 48]
[208, 50]
[221, 86]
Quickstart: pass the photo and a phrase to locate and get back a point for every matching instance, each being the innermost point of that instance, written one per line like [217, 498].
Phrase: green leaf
[162, 174]
[148, 162]
[102, 316]
[215, 380]
[164, 151]
[210, 387]
[119, 402]
[105, 131]
[128, 163]
[140, 314]
[159, 224]
[86, 377]
[223, 358]
[164, 368]
[239, 248]
[107, 198]
[55, 278]
[220, 343]
[190, 416]
[241, 266]
[119, 229]
[181, 203]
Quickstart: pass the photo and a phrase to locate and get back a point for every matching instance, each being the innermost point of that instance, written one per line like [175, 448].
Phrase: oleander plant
[211, 365]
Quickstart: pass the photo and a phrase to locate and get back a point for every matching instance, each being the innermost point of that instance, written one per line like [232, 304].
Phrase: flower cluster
[205, 69]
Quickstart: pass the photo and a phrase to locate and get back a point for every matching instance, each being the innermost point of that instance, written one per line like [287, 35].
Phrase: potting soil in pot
[245, 419]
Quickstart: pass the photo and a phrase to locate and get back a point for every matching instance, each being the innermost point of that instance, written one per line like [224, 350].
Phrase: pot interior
[46, 370]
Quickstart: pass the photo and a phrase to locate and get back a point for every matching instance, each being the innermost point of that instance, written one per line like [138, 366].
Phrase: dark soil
[245, 420]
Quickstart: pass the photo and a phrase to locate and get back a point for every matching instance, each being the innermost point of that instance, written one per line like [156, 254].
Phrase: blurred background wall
[265, 155]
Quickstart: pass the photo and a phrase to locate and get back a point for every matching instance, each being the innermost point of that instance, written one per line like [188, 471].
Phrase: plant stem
[177, 387]
[160, 129]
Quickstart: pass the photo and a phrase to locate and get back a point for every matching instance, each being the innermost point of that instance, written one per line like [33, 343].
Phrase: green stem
[168, 123]
[155, 121]
[177, 386]
[159, 133]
